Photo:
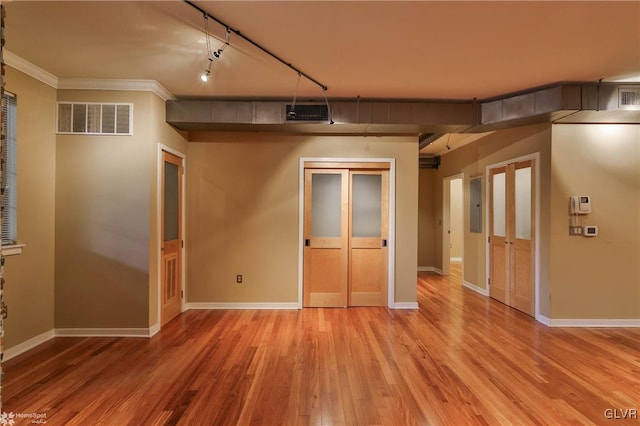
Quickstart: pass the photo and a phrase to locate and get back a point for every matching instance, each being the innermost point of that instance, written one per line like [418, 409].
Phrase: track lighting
[230, 30]
[326, 101]
[205, 75]
[211, 54]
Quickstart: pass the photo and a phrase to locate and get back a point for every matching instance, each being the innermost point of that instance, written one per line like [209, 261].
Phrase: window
[9, 199]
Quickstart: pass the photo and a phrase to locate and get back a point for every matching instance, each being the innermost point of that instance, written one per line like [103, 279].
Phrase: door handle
[307, 242]
[384, 243]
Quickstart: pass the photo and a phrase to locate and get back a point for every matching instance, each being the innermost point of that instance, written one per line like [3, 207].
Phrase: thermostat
[590, 231]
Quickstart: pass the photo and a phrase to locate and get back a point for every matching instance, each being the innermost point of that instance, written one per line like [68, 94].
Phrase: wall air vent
[430, 162]
[307, 112]
[90, 118]
[629, 98]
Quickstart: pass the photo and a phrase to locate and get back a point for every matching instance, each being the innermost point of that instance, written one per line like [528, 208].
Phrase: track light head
[205, 75]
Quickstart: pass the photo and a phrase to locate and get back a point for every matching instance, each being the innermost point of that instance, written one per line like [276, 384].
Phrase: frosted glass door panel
[366, 205]
[325, 205]
[499, 205]
[523, 203]
[170, 202]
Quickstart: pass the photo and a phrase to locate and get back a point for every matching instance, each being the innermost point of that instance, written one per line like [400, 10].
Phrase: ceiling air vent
[430, 162]
[307, 112]
[90, 118]
[629, 98]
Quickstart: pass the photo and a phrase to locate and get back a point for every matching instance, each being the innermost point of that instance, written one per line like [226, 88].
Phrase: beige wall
[426, 218]
[598, 277]
[472, 160]
[242, 212]
[29, 284]
[103, 199]
[455, 218]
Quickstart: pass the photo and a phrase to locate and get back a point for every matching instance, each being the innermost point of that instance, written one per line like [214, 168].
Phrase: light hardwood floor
[461, 359]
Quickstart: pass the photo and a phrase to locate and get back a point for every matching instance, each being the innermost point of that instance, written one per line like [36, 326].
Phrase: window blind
[9, 199]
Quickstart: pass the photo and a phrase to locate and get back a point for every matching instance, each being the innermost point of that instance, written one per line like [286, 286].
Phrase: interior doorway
[171, 236]
[453, 224]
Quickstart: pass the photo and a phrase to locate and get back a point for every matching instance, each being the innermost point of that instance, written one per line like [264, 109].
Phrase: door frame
[536, 264]
[183, 251]
[392, 219]
[446, 217]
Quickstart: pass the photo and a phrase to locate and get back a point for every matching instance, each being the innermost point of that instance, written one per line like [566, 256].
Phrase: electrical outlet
[239, 279]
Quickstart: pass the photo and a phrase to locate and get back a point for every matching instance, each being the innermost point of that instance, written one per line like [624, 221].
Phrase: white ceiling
[371, 49]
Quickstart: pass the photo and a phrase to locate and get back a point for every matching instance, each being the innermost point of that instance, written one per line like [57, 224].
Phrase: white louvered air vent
[90, 118]
[629, 98]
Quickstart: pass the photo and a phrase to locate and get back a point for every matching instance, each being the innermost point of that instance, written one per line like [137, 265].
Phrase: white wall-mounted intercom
[580, 204]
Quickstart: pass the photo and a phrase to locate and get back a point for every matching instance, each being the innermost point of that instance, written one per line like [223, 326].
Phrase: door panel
[512, 220]
[522, 288]
[326, 234]
[369, 207]
[522, 280]
[497, 234]
[171, 245]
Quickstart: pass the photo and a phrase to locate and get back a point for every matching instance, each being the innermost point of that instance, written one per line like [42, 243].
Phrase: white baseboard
[405, 305]
[247, 306]
[16, 350]
[103, 332]
[455, 259]
[154, 329]
[470, 286]
[429, 269]
[544, 320]
[594, 323]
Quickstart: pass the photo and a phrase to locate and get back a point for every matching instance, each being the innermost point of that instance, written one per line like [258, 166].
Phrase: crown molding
[22, 65]
[114, 84]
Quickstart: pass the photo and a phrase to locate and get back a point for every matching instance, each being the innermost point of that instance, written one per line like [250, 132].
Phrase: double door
[511, 235]
[346, 235]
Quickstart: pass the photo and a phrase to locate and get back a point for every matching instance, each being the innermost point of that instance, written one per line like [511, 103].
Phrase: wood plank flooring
[461, 359]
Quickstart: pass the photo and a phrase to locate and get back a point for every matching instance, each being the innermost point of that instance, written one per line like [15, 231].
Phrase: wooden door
[511, 235]
[171, 241]
[326, 199]
[498, 243]
[521, 237]
[368, 237]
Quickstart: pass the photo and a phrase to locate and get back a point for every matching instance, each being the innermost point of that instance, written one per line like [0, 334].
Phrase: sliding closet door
[326, 237]
[369, 233]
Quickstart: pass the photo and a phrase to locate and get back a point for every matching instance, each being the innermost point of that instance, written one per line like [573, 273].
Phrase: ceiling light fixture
[212, 54]
[247, 39]
[292, 112]
[326, 101]
[205, 75]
